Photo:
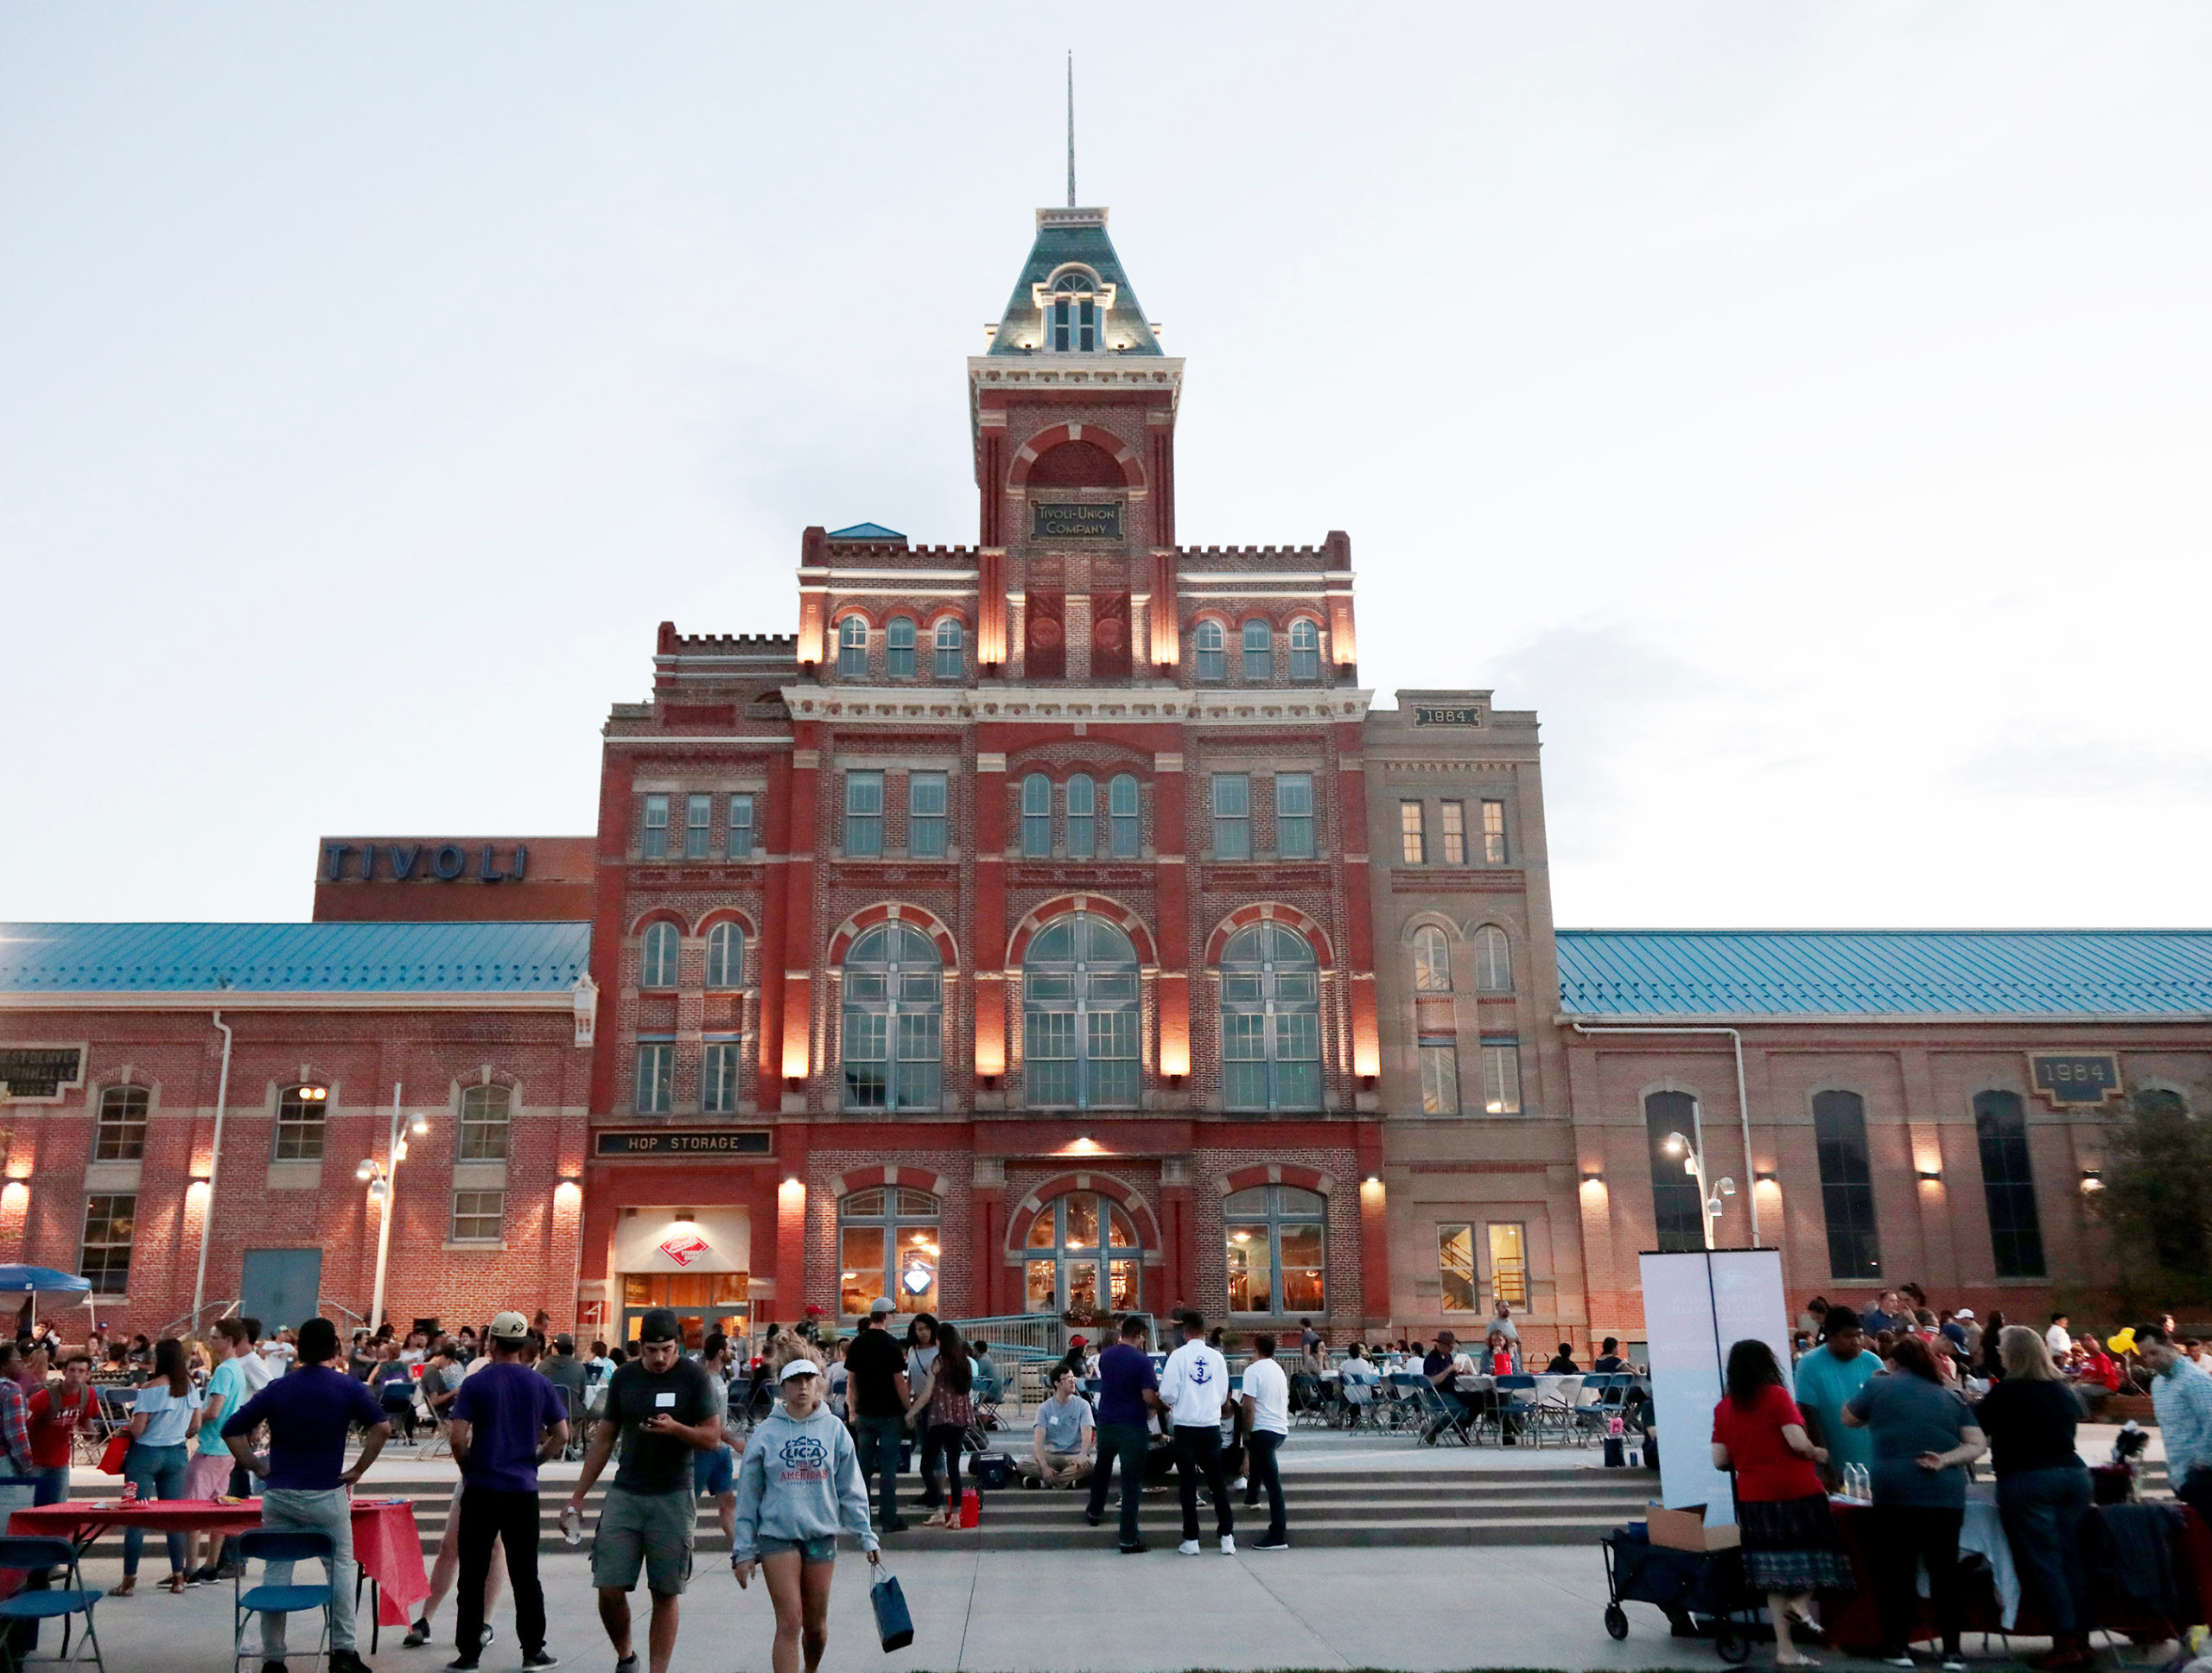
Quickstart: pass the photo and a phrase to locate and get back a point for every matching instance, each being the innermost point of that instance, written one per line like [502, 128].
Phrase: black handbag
[895, 1624]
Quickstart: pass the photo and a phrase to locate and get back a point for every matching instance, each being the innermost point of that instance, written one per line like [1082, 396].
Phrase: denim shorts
[810, 1551]
[713, 1473]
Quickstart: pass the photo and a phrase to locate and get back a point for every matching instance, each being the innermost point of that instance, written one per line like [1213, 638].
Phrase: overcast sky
[1803, 408]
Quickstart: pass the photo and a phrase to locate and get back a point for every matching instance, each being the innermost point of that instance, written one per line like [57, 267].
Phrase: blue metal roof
[372, 957]
[866, 531]
[1884, 972]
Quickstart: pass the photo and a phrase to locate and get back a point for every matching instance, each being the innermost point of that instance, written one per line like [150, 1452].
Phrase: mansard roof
[1064, 237]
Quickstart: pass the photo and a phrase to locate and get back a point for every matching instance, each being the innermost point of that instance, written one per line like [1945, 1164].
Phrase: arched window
[301, 1113]
[1082, 1251]
[1275, 1236]
[950, 648]
[1121, 808]
[657, 959]
[1037, 816]
[2008, 1184]
[1074, 326]
[894, 1020]
[852, 648]
[1082, 796]
[725, 956]
[1493, 961]
[1259, 653]
[1432, 960]
[1079, 1009]
[1677, 1203]
[1213, 656]
[1304, 651]
[122, 1134]
[887, 1245]
[1270, 1020]
[899, 648]
[485, 1113]
[1847, 1185]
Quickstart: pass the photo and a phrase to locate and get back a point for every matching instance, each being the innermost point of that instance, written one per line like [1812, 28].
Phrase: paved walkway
[1067, 1612]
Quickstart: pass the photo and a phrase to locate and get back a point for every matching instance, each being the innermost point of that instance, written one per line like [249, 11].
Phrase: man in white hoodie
[798, 1484]
[1195, 1388]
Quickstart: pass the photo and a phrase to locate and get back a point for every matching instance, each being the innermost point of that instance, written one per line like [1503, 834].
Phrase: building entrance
[1083, 1255]
[703, 1301]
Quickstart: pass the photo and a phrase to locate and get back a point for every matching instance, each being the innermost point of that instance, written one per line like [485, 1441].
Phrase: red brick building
[1050, 923]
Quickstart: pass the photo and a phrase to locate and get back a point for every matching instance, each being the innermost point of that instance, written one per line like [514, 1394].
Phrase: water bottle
[572, 1526]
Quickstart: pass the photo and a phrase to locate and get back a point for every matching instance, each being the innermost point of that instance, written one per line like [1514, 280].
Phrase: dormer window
[1076, 305]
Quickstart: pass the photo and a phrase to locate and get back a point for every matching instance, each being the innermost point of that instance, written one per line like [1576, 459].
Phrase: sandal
[129, 1585]
[174, 1586]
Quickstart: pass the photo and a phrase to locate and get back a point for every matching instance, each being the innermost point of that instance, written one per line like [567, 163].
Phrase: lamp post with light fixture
[380, 1181]
[1691, 1151]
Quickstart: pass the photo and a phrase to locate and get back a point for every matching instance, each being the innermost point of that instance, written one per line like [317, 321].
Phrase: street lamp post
[1691, 1151]
[380, 1181]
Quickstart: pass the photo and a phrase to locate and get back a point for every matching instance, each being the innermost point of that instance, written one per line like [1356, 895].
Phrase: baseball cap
[1965, 1313]
[881, 1307]
[509, 1327]
[798, 1368]
[1078, 1341]
[565, 1343]
[659, 1326]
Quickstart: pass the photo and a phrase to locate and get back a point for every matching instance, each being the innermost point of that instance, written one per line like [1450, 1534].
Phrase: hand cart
[1701, 1593]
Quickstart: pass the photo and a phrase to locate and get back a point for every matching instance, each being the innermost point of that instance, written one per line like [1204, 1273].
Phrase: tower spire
[1070, 128]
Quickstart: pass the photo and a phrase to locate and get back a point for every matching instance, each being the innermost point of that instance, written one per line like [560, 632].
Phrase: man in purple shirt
[308, 1486]
[1129, 1393]
[507, 1420]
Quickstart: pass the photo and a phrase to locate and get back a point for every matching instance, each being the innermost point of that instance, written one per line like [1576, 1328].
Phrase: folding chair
[37, 1554]
[277, 1547]
[1555, 1412]
[1362, 1409]
[572, 1402]
[1517, 1403]
[1440, 1416]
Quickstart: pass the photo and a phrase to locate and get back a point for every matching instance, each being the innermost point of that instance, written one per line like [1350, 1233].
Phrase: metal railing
[190, 1322]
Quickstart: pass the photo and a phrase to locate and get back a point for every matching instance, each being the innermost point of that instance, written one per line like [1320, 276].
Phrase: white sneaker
[1228, 1545]
[1189, 1548]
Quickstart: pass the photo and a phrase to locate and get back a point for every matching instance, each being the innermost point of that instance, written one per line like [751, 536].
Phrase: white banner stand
[1696, 1306]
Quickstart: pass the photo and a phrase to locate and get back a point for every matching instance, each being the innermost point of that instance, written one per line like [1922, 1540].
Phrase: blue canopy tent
[37, 1281]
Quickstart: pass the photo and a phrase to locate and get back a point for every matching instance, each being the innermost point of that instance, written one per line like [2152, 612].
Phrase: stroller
[1701, 1593]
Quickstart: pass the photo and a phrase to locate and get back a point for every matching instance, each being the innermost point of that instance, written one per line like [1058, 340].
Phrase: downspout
[1743, 1103]
[214, 1163]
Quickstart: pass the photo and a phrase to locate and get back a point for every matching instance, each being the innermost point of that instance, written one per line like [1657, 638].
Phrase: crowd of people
[1906, 1400]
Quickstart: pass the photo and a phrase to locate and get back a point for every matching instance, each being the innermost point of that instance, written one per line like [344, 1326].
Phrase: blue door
[283, 1288]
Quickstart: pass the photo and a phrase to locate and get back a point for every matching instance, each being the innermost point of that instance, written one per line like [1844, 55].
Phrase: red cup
[129, 1492]
[971, 1507]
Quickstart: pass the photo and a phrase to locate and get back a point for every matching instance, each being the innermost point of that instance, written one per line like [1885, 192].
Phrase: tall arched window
[1079, 1012]
[1847, 1185]
[1493, 961]
[887, 1245]
[1432, 960]
[656, 960]
[1121, 808]
[894, 1020]
[1677, 1203]
[1082, 1251]
[486, 1121]
[725, 956]
[1036, 817]
[1075, 314]
[1270, 1020]
[1304, 651]
[1213, 655]
[899, 648]
[1274, 1236]
[852, 648]
[1259, 653]
[950, 650]
[122, 1133]
[2008, 1184]
[1082, 798]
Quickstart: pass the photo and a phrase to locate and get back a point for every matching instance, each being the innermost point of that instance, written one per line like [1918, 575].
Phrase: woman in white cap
[797, 1486]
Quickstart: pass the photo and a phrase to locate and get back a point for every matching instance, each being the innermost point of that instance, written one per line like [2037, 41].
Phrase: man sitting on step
[1064, 1437]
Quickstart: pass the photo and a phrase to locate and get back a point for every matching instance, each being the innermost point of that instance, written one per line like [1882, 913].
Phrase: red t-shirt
[1766, 1469]
[52, 1425]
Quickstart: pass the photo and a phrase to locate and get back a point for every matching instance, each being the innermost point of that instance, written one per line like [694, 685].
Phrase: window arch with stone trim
[1304, 651]
[1082, 1240]
[1270, 988]
[1493, 960]
[1432, 958]
[1274, 1232]
[852, 645]
[888, 1243]
[1081, 1018]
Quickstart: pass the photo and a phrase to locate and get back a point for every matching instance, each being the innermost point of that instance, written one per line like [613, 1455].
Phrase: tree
[2158, 1191]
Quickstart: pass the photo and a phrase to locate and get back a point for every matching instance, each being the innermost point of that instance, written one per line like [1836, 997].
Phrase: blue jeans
[159, 1472]
[53, 1485]
[2042, 1511]
[877, 1441]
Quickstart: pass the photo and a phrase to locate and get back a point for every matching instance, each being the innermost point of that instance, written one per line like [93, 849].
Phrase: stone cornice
[1237, 707]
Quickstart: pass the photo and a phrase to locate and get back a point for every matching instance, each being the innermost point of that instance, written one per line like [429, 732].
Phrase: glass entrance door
[1068, 1268]
[704, 1302]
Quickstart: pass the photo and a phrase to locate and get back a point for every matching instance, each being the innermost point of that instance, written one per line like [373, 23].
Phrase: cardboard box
[1685, 1529]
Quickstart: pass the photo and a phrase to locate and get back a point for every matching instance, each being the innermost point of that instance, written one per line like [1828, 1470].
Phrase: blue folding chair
[36, 1554]
[274, 1545]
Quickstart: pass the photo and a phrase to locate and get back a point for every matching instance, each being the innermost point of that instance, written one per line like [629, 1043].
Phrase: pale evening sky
[1803, 408]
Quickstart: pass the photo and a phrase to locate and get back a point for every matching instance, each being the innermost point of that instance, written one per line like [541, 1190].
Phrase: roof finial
[1070, 127]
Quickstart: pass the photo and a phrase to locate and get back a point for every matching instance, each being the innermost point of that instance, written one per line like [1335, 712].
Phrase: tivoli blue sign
[436, 862]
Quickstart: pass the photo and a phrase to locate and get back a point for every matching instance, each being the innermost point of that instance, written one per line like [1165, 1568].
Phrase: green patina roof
[1065, 236]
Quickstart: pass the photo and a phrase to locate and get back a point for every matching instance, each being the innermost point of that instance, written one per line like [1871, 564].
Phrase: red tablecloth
[386, 1543]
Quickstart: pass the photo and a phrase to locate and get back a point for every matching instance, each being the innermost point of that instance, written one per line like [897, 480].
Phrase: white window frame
[1501, 1077]
[473, 1206]
[654, 1087]
[950, 653]
[1210, 646]
[1232, 825]
[737, 834]
[1294, 833]
[726, 955]
[852, 647]
[861, 835]
[928, 827]
[698, 826]
[660, 955]
[654, 844]
[898, 643]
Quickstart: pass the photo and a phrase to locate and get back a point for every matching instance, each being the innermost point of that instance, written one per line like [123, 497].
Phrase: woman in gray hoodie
[797, 1486]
